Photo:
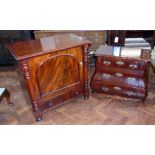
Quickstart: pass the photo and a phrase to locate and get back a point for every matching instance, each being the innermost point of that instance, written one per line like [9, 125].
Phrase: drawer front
[120, 79]
[61, 98]
[119, 90]
[120, 63]
[124, 71]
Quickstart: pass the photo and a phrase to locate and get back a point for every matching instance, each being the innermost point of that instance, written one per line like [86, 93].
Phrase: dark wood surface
[55, 70]
[121, 75]
[148, 35]
[31, 48]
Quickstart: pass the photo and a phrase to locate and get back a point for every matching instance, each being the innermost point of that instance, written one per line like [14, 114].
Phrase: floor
[98, 109]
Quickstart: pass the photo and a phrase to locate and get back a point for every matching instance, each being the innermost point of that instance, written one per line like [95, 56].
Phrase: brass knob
[117, 88]
[119, 74]
[105, 89]
[107, 63]
[132, 66]
[106, 76]
[119, 63]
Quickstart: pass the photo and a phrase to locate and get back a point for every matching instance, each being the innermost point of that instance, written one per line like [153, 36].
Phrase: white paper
[116, 39]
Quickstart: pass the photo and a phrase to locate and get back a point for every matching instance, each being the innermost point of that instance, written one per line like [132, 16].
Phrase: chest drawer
[122, 72]
[120, 63]
[120, 79]
[119, 90]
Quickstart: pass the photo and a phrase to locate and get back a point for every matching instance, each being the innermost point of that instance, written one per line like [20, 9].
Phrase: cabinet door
[57, 73]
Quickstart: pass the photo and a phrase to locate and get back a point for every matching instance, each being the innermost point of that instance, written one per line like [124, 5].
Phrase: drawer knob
[132, 66]
[119, 63]
[105, 89]
[106, 76]
[119, 74]
[107, 63]
[117, 88]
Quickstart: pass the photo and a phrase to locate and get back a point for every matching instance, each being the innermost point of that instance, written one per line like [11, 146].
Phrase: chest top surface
[27, 49]
[123, 52]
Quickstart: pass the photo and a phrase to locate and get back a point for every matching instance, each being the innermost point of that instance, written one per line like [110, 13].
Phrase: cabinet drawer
[59, 99]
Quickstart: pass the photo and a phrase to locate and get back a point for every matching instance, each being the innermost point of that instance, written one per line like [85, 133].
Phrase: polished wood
[55, 70]
[119, 74]
[5, 93]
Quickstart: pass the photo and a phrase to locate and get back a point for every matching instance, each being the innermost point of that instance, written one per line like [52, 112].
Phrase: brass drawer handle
[130, 93]
[107, 63]
[119, 74]
[106, 76]
[132, 66]
[105, 89]
[120, 63]
[117, 88]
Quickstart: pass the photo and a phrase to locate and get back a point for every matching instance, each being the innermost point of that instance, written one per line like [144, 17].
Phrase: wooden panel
[31, 48]
[62, 70]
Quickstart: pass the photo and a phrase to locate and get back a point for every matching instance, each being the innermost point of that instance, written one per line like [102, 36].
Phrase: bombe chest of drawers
[55, 70]
[122, 71]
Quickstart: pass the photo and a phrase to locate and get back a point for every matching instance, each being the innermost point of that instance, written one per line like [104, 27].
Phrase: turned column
[29, 84]
[85, 71]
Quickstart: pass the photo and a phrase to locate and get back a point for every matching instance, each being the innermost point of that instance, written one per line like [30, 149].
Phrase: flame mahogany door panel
[62, 70]
[55, 70]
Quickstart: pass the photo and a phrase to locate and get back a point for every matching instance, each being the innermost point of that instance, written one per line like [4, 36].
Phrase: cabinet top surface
[27, 49]
[124, 52]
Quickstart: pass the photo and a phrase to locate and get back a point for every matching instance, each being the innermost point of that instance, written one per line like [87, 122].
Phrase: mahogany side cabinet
[55, 70]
